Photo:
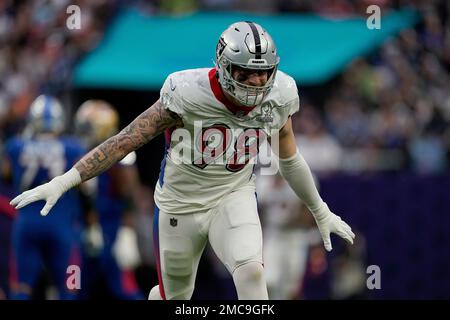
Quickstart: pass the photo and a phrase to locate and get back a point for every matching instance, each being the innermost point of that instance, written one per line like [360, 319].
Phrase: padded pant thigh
[235, 232]
[180, 247]
[178, 256]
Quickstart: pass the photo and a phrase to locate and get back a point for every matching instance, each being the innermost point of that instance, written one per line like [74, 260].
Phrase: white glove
[50, 191]
[126, 249]
[93, 239]
[328, 222]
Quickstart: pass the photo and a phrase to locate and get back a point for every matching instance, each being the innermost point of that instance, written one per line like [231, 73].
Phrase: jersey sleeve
[292, 107]
[170, 95]
[292, 100]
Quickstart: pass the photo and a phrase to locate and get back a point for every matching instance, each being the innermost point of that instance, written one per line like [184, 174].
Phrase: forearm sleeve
[298, 175]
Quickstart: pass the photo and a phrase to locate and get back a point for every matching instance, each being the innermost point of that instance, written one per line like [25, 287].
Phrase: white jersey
[195, 179]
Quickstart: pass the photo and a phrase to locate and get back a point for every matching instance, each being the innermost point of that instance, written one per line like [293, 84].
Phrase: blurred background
[373, 125]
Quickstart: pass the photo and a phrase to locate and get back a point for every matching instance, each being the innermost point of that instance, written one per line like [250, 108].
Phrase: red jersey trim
[218, 93]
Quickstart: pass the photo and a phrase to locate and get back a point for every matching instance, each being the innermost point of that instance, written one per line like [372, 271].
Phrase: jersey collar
[218, 93]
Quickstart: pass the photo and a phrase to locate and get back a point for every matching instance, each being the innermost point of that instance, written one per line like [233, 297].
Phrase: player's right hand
[50, 192]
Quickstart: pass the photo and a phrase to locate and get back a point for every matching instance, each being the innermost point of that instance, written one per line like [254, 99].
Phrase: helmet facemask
[246, 95]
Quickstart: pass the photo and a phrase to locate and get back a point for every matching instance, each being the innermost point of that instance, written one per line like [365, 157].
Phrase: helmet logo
[220, 47]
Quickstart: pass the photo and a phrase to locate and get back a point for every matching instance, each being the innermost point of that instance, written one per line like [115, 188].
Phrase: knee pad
[252, 271]
[250, 281]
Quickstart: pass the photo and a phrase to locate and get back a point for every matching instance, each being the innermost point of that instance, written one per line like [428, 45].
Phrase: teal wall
[138, 51]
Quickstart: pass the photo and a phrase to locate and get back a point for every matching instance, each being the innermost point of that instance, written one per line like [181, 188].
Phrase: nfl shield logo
[173, 222]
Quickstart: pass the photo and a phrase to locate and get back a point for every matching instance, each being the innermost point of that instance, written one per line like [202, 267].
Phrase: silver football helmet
[247, 45]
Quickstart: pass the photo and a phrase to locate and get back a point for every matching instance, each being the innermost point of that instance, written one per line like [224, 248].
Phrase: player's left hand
[328, 222]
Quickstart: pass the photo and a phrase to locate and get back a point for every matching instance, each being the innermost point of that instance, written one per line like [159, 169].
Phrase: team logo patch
[173, 222]
[266, 114]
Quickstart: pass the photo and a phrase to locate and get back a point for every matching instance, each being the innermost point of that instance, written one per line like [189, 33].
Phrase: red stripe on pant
[157, 252]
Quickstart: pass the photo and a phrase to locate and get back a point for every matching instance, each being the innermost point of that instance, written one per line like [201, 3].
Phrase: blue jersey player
[36, 157]
[95, 121]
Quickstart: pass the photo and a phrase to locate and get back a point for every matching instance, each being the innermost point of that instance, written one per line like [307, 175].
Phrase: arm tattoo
[145, 127]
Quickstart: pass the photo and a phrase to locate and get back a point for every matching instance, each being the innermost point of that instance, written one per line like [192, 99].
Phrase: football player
[95, 121]
[227, 111]
[36, 157]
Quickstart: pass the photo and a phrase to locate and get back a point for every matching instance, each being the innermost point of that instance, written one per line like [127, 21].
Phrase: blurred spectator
[319, 148]
[38, 51]
[289, 231]
[349, 271]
